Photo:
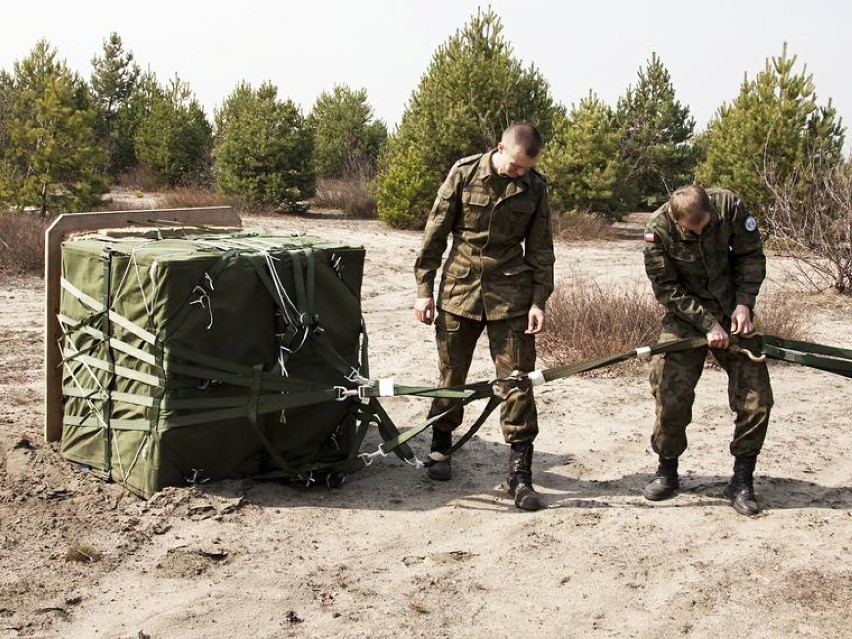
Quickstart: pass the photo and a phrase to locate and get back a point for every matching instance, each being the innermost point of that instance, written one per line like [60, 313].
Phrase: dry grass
[140, 178]
[22, 243]
[783, 315]
[587, 320]
[574, 225]
[182, 197]
[347, 194]
[190, 197]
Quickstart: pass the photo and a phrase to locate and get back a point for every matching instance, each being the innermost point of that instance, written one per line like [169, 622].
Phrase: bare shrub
[138, 177]
[576, 225]
[347, 194]
[586, 320]
[810, 221]
[783, 315]
[22, 243]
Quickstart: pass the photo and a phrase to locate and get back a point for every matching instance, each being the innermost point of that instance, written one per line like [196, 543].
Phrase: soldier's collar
[485, 168]
[486, 171]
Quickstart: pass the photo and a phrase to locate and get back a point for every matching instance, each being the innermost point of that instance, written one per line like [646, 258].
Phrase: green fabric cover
[181, 381]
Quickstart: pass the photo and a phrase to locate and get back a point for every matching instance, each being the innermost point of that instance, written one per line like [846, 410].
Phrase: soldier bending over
[704, 257]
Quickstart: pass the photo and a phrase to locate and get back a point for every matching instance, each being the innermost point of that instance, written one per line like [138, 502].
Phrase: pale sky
[306, 47]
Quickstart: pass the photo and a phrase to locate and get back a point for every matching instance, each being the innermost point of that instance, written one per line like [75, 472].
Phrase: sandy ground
[391, 554]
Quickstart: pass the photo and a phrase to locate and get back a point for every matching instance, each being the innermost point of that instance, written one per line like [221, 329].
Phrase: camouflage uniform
[499, 265]
[700, 279]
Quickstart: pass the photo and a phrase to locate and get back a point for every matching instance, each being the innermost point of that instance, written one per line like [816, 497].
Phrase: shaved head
[525, 136]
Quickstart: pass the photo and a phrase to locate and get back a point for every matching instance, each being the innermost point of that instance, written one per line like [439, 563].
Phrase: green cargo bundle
[212, 355]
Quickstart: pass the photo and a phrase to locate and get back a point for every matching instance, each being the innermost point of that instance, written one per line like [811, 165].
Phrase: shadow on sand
[478, 482]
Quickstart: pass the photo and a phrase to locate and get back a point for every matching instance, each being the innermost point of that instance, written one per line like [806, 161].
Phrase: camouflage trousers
[511, 349]
[674, 377]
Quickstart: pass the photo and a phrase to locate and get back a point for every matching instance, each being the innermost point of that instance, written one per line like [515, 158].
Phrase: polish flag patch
[650, 236]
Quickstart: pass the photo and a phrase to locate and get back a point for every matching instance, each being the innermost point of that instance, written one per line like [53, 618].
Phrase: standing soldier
[497, 277]
[704, 257]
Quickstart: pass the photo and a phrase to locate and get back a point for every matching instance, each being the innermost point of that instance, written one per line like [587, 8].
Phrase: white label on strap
[536, 377]
[386, 387]
[643, 352]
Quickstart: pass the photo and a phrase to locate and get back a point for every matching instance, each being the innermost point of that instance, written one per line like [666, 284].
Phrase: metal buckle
[368, 458]
[344, 393]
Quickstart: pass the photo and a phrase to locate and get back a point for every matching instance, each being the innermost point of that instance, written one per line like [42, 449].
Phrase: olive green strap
[660, 348]
[819, 356]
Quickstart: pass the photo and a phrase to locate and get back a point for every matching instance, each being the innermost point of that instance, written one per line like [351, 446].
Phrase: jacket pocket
[522, 205]
[513, 289]
[447, 322]
[683, 255]
[476, 207]
[457, 268]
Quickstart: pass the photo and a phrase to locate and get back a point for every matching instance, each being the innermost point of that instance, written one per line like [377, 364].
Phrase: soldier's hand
[535, 321]
[741, 323]
[424, 309]
[717, 337]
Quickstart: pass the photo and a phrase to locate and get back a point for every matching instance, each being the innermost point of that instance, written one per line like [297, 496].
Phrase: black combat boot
[740, 490]
[440, 468]
[520, 477]
[666, 482]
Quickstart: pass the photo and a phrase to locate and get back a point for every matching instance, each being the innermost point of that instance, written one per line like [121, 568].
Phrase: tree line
[63, 139]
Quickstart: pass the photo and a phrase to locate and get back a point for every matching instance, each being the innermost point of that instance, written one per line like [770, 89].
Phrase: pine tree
[656, 130]
[582, 161]
[174, 138]
[473, 88]
[113, 81]
[263, 148]
[347, 138]
[6, 168]
[773, 130]
[51, 158]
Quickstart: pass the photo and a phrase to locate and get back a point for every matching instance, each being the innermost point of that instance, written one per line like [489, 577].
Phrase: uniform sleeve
[538, 250]
[667, 286]
[748, 262]
[438, 226]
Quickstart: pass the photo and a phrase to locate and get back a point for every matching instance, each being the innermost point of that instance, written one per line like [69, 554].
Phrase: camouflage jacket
[702, 278]
[501, 259]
